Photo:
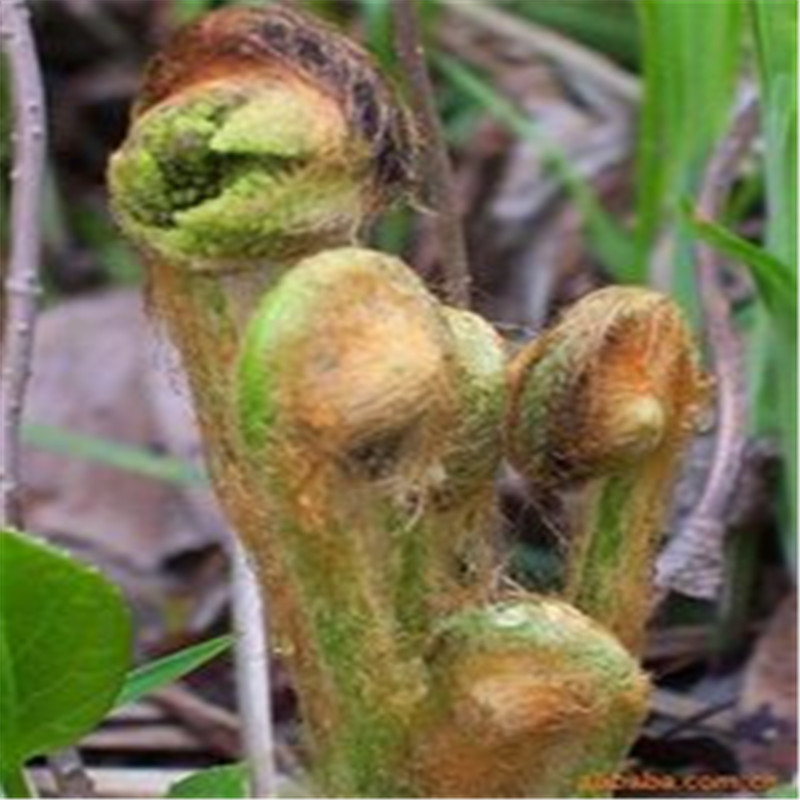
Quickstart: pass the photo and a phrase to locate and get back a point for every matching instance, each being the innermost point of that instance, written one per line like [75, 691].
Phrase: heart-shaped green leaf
[65, 647]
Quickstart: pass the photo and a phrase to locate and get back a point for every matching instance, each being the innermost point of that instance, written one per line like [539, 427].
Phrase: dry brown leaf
[94, 374]
[767, 711]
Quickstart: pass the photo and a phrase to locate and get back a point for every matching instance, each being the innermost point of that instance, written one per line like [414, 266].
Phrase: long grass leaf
[690, 53]
[775, 280]
[775, 29]
[111, 454]
[163, 671]
[775, 32]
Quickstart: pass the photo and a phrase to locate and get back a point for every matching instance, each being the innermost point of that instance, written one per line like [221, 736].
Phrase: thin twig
[694, 721]
[215, 726]
[437, 168]
[252, 676]
[21, 280]
[571, 55]
[21, 288]
[723, 340]
[692, 563]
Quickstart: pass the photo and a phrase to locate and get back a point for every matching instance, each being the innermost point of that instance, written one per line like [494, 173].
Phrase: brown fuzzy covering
[613, 352]
[276, 42]
[338, 504]
[352, 437]
[603, 405]
[526, 716]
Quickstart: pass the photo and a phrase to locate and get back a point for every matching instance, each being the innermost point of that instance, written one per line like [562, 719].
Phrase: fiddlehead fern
[354, 425]
[602, 405]
[530, 696]
[352, 396]
[258, 135]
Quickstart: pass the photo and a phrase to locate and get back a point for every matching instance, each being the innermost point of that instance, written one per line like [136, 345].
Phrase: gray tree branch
[21, 274]
[19, 301]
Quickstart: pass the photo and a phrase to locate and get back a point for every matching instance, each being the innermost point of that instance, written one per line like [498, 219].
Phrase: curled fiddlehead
[529, 696]
[602, 406]
[258, 134]
[353, 398]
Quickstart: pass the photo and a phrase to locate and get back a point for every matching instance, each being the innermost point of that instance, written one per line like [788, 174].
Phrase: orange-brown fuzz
[528, 720]
[204, 314]
[273, 45]
[379, 357]
[620, 389]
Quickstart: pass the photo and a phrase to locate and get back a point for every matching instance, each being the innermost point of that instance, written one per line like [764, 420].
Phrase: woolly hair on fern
[258, 134]
[354, 425]
[603, 404]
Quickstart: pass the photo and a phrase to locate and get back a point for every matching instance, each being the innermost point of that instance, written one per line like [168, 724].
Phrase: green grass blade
[690, 56]
[610, 26]
[14, 783]
[377, 21]
[166, 670]
[775, 33]
[775, 280]
[111, 454]
[775, 30]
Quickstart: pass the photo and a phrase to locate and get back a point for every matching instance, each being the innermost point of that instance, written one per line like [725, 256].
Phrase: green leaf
[185, 11]
[65, 646]
[112, 454]
[163, 671]
[786, 790]
[228, 781]
[775, 31]
[377, 22]
[776, 281]
[610, 26]
[691, 53]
